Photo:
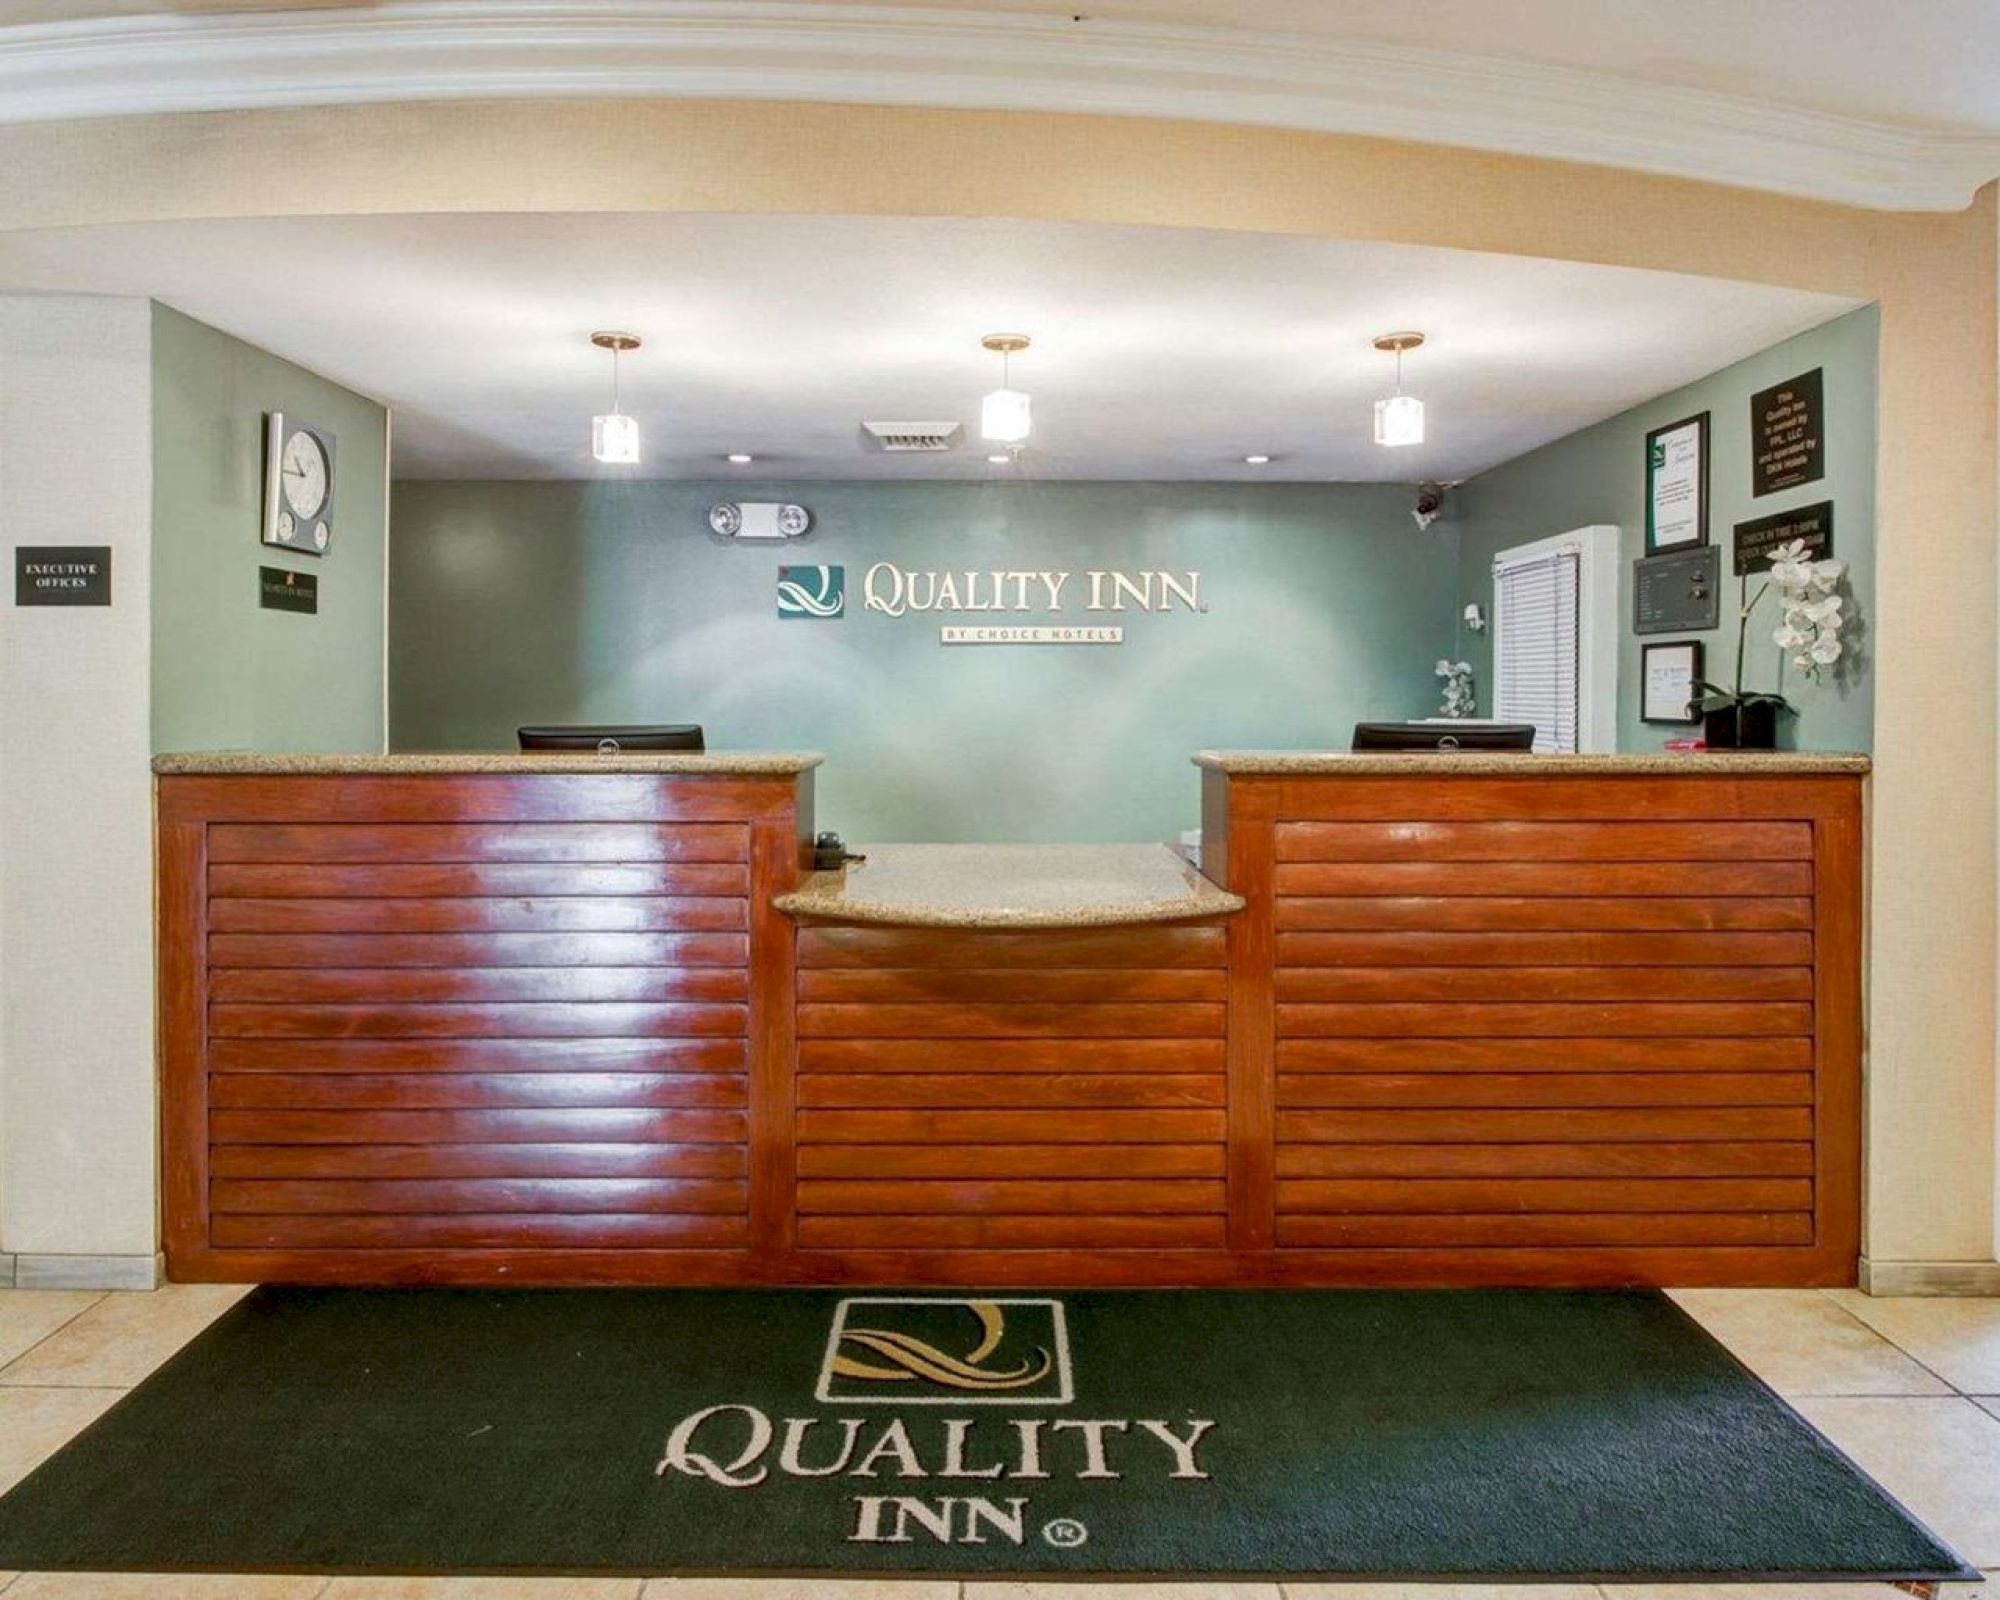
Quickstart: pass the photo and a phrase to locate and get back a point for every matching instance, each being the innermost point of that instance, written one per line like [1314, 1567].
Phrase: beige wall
[1931, 1102]
[76, 946]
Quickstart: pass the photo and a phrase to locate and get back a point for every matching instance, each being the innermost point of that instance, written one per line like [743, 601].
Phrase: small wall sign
[62, 575]
[1810, 525]
[1667, 674]
[1677, 485]
[280, 590]
[1680, 592]
[1787, 440]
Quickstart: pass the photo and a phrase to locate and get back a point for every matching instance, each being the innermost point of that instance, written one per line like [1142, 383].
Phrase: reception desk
[1421, 1020]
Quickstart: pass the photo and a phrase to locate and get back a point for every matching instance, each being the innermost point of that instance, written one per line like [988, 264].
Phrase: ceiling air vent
[900, 437]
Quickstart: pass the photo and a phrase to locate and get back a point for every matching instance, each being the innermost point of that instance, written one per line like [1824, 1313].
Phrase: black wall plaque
[1756, 540]
[1679, 592]
[1787, 434]
[62, 575]
[280, 590]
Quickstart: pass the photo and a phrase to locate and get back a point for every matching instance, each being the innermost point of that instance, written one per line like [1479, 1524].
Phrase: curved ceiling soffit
[415, 50]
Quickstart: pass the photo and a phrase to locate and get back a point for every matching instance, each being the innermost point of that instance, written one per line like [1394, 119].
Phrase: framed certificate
[1667, 673]
[1677, 485]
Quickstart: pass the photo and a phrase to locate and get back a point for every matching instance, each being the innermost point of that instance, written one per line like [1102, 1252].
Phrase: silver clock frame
[282, 530]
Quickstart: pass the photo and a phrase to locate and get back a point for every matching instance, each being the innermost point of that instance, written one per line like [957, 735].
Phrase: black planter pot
[1746, 727]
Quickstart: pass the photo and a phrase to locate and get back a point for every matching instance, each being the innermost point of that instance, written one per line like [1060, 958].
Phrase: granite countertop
[710, 763]
[1487, 763]
[1011, 886]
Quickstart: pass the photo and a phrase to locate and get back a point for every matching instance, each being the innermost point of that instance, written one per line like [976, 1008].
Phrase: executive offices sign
[1065, 599]
[62, 575]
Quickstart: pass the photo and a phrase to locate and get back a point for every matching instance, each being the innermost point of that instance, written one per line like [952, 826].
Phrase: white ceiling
[1157, 354]
[1930, 63]
[1856, 101]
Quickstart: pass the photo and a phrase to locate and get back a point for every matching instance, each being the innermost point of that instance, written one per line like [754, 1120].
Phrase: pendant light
[1004, 414]
[1399, 420]
[614, 437]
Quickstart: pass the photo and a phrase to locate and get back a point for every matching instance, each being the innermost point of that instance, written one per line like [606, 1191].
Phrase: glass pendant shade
[614, 437]
[1399, 420]
[1003, 416]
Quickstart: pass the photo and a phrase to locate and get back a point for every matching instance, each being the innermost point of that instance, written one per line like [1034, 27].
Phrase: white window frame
[1597, 551]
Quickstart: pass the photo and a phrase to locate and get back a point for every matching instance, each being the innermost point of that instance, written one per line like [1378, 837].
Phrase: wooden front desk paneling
[477, 1028]
[1468, 1028]
[972, 1092]
[1547, 1030]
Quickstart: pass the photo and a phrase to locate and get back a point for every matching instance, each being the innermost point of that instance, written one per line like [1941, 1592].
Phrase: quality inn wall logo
[946, 1352]
[811, 593]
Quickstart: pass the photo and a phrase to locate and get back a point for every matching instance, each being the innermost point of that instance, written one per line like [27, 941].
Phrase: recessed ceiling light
[740, 458]
[999, 461]
[1256, 461]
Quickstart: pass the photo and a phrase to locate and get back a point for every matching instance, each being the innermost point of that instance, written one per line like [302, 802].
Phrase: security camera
[1430, 501]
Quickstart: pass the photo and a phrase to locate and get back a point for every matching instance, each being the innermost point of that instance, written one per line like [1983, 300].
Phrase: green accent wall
[1597, 476]
[228, 675]
[610, 601]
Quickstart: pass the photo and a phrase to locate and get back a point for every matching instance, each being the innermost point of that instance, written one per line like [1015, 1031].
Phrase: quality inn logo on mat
[811, 593]
[888, 1351]
[931, 1477]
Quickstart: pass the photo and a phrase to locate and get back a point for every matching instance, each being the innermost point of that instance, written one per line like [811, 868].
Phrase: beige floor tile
[1440, 1591]
[121, 1339]
[1940, 1457]
[802, 1589]
[160, 1586]
[1754, 1591]
[28, 1316]
[1121, 1591]
[1958, 1339]
[482, 1589]
[1800, 1342]
[1988, 1402]
[35, 1423]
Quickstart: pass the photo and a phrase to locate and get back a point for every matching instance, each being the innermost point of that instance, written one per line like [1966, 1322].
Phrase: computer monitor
[1444, 734]
[608, 740]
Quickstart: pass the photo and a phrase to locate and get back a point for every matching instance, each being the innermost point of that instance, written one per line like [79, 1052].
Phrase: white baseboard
[1930, 1277]
[6, 1272]
[87, 1272]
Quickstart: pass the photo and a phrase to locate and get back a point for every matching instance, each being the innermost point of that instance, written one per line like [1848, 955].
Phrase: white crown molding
[890, 55]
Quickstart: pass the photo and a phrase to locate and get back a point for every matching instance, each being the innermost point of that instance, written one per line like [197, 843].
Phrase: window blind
[1535, 646]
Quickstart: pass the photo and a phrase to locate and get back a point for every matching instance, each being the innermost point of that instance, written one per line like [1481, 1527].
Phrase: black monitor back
[1444, 735]
[607, 739]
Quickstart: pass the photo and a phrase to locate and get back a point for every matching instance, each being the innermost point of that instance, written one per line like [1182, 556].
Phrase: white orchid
[1813, 613]
[1792, 634]
[1458, 696]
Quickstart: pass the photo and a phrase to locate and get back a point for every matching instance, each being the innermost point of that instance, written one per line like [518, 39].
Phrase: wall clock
[298, 485]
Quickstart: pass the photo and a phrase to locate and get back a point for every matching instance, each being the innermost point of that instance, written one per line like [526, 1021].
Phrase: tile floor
[1909, 1388]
